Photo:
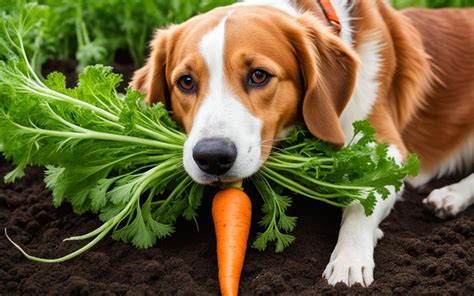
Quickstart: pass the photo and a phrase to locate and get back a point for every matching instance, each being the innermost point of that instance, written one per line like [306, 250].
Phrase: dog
[239, 77]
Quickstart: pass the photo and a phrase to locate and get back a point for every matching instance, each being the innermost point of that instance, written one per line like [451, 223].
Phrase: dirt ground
[419, 253]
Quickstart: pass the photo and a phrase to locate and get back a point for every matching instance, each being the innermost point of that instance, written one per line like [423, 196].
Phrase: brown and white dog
[238, 77]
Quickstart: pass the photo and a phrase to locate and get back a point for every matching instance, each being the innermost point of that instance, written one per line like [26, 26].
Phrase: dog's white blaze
[222, 114]
[366, 89]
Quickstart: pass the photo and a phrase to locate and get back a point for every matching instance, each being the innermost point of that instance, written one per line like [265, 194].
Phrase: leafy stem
[93, 135]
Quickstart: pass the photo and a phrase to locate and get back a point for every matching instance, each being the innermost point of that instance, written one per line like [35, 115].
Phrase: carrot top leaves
[104, 152]
[313, 169]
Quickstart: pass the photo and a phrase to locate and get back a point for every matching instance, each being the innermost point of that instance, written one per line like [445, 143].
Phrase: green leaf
[275, 219]
[17, 173]
[122, 193]
[283, 241]
[137, 233]
[369, 203]
[161, 230]
[194, 202]
[287, 223]
[56, 81]
[98, 194]
[365, 131]
[52, 179]
[411, 167]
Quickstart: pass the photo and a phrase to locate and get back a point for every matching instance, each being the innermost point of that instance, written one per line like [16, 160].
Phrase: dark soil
[419, 253]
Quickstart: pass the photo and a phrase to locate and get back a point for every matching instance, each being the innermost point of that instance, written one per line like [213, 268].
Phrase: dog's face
[237, 77]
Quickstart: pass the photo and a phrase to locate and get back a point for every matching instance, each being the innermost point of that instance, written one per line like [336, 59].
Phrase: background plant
[432, 3]
[92, 31]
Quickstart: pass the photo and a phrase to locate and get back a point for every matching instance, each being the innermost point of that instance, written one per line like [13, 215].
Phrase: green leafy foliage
[94, 31]
[277, 223]
[361, 172]
[113, 155]
[432, 3]
[103, 151]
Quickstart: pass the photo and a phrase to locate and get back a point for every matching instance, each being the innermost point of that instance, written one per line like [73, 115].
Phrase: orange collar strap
[330, 14]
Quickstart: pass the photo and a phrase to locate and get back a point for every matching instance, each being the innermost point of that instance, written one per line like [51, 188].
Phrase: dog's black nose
[215, 155]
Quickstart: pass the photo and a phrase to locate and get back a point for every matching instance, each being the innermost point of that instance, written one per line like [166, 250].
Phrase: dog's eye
[186, 83]
[259, 77]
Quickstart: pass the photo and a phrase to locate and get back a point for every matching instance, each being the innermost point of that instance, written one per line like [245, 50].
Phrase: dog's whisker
[273, 140]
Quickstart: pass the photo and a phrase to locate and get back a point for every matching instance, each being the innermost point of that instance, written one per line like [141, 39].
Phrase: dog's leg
[352, 260]
[450, 200]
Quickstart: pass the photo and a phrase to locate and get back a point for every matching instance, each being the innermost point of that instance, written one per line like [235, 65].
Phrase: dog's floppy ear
[151, 78]
[329, 69]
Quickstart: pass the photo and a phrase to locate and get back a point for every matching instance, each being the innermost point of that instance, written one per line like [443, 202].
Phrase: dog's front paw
[445, 202]
[350, 266]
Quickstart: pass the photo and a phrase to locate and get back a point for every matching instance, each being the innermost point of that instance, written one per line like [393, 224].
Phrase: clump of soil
[419, 253]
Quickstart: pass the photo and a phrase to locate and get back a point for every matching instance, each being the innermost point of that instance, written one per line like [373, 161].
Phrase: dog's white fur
[221, 115]
[452, 199]
[366, 89]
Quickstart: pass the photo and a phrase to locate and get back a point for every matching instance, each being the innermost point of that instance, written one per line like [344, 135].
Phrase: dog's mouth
[220, 183]
[214, 180]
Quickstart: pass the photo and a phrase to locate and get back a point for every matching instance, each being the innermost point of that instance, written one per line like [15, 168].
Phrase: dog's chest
[366, 88]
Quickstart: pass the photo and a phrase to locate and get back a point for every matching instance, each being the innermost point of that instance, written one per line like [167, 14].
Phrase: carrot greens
[103, 152]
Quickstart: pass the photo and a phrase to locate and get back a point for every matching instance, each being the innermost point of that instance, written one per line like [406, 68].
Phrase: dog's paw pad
[445, 202]
[350, 270]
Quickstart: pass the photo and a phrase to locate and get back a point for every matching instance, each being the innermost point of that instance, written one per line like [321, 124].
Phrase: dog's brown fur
[426, 97]
[446, 118]
[426, 104]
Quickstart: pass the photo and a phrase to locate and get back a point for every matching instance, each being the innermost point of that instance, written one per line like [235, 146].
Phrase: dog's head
[238, 77]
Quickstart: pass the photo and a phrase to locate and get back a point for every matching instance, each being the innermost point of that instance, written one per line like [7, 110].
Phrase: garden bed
[419, 253]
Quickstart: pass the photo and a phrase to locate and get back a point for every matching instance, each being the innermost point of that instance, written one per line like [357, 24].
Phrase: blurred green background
[432, 3]
[100, 31]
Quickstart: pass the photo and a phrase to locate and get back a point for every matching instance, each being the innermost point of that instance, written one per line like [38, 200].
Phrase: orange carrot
[231, 211]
